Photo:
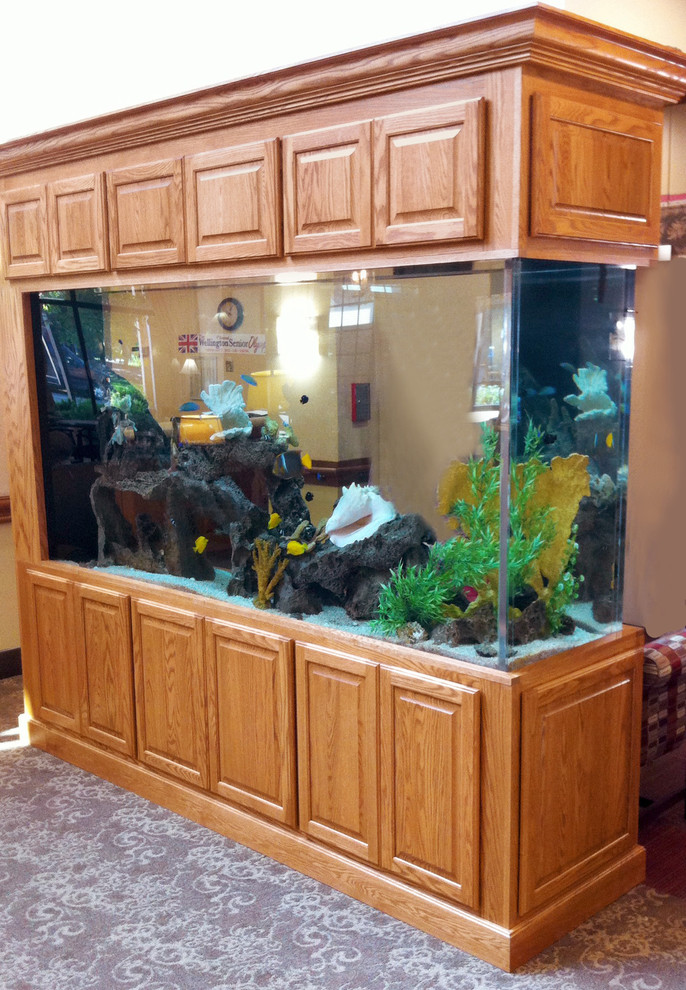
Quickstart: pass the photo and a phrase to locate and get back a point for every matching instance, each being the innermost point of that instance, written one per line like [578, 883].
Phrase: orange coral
[264, 556]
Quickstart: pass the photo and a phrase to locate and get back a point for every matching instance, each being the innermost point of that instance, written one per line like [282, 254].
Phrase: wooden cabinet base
[500, 946]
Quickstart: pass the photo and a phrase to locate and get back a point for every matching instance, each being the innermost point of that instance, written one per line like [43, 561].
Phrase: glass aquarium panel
[574, 329]
[329, 447]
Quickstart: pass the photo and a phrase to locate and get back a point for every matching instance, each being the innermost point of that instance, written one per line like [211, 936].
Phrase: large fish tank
[434, 456]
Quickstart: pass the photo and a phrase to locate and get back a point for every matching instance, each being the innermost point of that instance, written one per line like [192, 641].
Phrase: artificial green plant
[469, 562]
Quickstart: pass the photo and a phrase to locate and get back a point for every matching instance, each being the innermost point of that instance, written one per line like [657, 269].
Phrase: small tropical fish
[200, 544]
[274, 520]
[304, 399]
[568, 367]
[189, 407]
[295, 548]
[610, 440]
[248, 379]
[290, 464]
[308, 496]
[471, 594]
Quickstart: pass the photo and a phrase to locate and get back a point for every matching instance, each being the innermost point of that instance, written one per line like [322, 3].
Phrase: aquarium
[434, 456]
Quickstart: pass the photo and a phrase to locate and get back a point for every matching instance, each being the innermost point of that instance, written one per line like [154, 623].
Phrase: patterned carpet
[101, 889]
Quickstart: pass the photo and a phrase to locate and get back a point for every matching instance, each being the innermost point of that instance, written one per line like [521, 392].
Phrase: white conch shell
[359, 513]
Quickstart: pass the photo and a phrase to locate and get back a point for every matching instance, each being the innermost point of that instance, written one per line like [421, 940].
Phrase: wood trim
[5, 509]
[543, 37]
[338, 473]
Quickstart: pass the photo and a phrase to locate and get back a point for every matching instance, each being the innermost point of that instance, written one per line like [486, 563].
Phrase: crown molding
[538, 37]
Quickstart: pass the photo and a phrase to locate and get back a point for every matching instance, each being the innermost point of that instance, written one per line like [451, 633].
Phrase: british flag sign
[188, 343]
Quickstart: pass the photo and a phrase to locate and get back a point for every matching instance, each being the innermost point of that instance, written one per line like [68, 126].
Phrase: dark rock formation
[351, 576]
[150, 513]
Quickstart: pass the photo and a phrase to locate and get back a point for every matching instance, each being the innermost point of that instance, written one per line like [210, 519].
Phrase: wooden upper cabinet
[103, 637]
[595, 172]
[145, 212]
[76, 219]
[430, 171]
[430, 732]
[337, 750]
[50, 668]
[233, 203]
[25, 231]
[170, 694]
[327, 189]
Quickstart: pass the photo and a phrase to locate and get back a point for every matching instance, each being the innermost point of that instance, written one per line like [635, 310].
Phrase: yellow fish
[274, 520]
[295, 548]
[200, 544]
[609, 440]
[306, 460]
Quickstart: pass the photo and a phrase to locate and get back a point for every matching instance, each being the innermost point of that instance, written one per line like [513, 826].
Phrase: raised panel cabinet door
[25, 231]
[579, 776]
[103, 634]
[337, 715]
[595, 172]
[430, 167]
[430, 783]
[251, 716]
[327, 189]
[76, 221]
[232, 202]
[50, 669]
[169, 678]
[145, 212]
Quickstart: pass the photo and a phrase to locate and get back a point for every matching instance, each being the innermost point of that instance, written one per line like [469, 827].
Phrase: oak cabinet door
[327, 189]
[76, 220]
[50, 669]
[430, 783]
[579, 773]
[430, 172]
[103, 633]
[232, 202]
[169, 676]
[595, 172]
[145, 212]
[337, 750]
[25, 231]
[251, 715]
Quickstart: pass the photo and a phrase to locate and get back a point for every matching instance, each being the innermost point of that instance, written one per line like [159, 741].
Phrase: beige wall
[663, 21]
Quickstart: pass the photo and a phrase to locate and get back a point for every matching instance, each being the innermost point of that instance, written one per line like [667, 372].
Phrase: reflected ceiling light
[297, 339]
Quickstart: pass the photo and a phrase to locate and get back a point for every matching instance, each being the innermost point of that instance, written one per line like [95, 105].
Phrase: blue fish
[189, 407]
[248, 379]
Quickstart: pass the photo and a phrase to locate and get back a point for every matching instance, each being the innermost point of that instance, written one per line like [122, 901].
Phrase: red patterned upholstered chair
[663, 727]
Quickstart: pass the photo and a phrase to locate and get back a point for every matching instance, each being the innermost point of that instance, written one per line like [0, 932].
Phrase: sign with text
[222, 343]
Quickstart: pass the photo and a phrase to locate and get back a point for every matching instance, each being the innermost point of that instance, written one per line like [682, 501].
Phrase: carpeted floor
[101, 889]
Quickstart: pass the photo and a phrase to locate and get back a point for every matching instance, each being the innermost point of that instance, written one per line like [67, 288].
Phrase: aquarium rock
[226, 401]
[351, 576]
[359, 512]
